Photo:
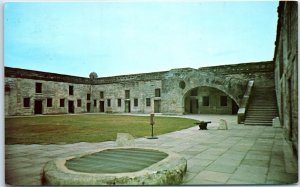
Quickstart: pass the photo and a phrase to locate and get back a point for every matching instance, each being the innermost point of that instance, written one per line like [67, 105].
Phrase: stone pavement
[239, 155]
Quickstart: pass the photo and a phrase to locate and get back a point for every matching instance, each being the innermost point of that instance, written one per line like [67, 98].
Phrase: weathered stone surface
[175, 86]
[223, 125]
[286, 70]
[276, 122]
[124, 139]
[165, 172]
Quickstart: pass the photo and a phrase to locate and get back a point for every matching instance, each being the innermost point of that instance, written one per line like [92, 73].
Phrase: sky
[114, 38]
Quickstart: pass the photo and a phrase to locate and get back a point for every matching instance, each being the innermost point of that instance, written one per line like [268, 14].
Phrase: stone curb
[165, 172]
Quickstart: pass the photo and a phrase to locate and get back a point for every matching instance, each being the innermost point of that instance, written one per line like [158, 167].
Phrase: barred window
[38, 87]
[78, 102]
[205, 100]
[127, 94]
[148, 102]
[26, 102]
[101, 95]
[136, 102]
[62, 102]
[49, 102]
[157, 92]
[71, 90]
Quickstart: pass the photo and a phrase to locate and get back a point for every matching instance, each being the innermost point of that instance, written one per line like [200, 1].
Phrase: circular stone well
[115, 166]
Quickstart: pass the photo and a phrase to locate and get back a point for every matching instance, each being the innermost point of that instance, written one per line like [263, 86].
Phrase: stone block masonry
[30, 92]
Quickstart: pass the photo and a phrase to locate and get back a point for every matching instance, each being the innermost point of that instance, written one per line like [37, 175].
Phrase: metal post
[152, 123]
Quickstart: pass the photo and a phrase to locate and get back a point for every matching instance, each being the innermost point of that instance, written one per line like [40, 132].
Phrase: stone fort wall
[163, 92]
[286, 70]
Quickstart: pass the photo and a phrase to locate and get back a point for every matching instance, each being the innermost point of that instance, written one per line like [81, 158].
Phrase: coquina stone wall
[230, 79]
[20, 88]
[286, 70]
[139, 90]
[173, 87]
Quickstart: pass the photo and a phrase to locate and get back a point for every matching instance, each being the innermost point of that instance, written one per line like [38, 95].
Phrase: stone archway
[178, 84]
[208, 100]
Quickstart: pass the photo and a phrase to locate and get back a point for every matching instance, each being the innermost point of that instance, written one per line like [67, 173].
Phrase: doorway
[71, 107]
[38, 107]
[194, 106]
[156, 106]
[127, 106]
[101, 106]
[235, 107]
[88, 107]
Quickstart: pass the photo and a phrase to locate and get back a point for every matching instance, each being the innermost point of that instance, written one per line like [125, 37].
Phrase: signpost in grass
[152, 123]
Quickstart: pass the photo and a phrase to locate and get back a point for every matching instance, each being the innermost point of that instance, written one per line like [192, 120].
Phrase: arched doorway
[208, 100]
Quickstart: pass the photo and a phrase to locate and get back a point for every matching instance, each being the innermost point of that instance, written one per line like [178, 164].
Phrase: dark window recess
[205, 100]
[281, 66]
[78, 102]
[127, 94]
[101, 95]
[88, 97]
[136, 102]
[62, 102]
[148, 102]
[71, 90]
[26, 102]
[119, 102]
[7, 88]
[194, 92]
[108, 103]
[38, 87]
[49, 102]
[223, 100]
[95, 103]
[157, 92]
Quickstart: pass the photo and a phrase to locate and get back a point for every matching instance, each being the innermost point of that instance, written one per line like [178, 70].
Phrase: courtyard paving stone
[257, 157]
[248, 178]
[198, 162]
[254, 162]
[240, 155]
[222, 167]
[217, 177]
[228, 161]
[282, 177]
[188, 176]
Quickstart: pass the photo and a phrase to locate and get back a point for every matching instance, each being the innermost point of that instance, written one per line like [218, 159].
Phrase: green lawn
[85, 128]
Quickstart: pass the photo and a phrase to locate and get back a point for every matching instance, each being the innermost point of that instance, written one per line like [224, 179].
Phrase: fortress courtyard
[240, 155]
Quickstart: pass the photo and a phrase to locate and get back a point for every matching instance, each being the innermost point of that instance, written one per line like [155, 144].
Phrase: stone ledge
[168, 171]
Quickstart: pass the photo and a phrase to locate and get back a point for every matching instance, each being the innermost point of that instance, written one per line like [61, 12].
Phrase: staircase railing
[245, 102]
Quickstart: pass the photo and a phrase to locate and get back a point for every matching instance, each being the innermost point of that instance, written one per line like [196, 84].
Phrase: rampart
[172, 88]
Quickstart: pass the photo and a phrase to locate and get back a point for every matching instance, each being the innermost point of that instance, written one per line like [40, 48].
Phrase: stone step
[263, 104]
[255, 113]
[264, 101]
[259, 119]
[258, 123]
[262, 107]
[261, 116]
[261, 110]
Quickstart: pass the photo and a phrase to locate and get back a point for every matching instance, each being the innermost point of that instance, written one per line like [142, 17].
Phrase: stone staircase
[262, 107]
